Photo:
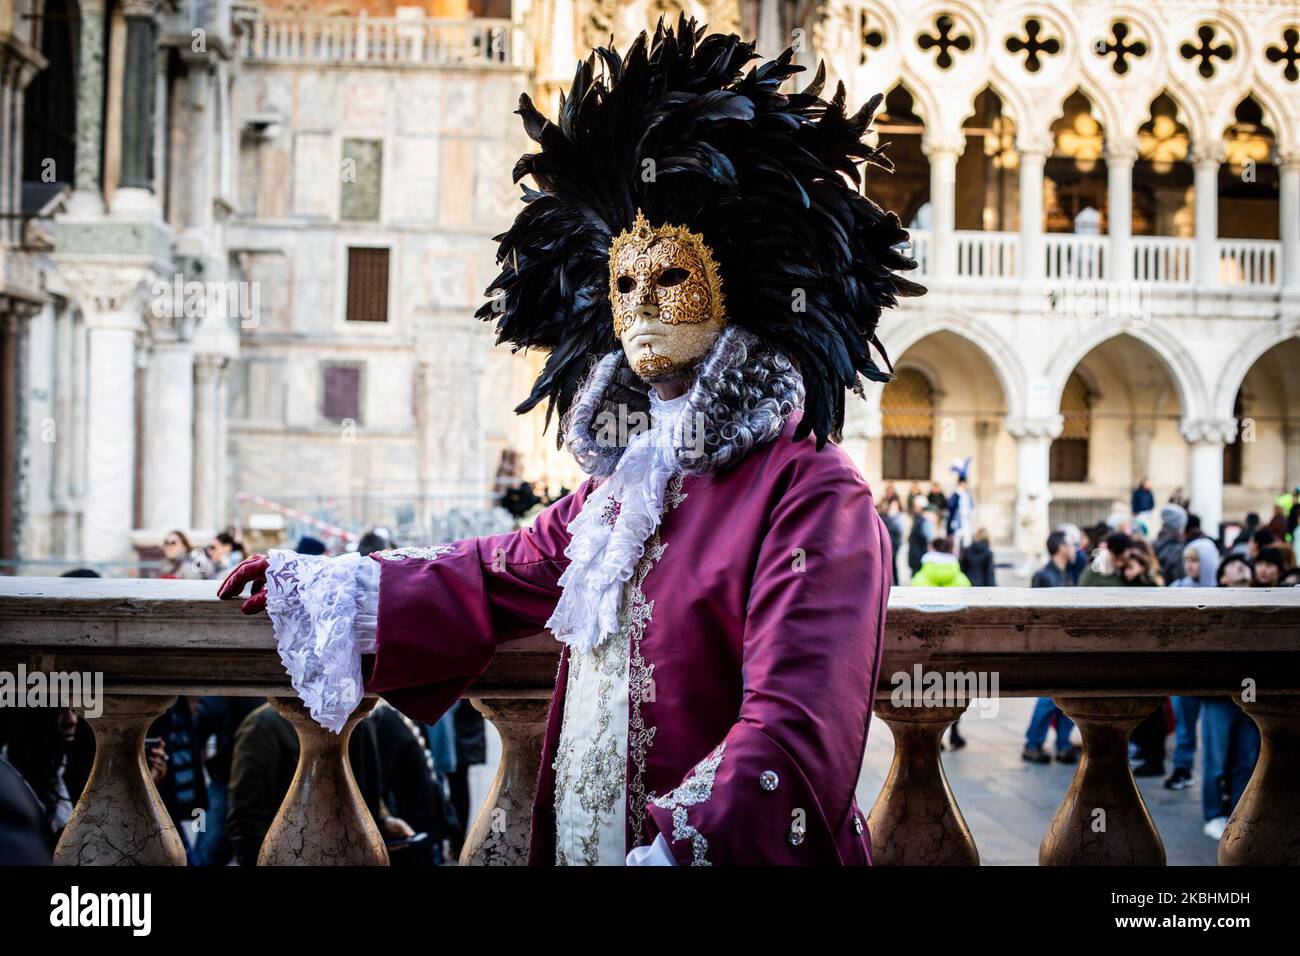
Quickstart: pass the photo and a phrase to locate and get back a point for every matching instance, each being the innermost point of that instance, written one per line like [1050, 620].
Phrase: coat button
[857, 824]
[768, 780]
[796, 836]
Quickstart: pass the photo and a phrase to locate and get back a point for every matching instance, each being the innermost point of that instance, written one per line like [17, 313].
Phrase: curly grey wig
[744, 391]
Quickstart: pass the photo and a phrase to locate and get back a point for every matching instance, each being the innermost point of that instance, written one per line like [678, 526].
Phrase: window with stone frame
[907, 418]
[341, 392]
[367, 292]
[361, 175]
[1069, 454]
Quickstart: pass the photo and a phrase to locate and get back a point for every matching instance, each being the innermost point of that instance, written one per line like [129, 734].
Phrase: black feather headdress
[679, 129]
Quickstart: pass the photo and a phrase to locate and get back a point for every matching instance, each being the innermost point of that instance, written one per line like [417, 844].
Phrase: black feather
[684, 129]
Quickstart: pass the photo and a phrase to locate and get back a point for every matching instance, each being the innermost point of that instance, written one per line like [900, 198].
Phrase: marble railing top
[176, 636]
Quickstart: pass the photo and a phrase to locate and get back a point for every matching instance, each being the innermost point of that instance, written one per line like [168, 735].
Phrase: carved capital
[208, 367]
[1121, 151]
[1208, 154]
[1031, 143]
[149, 9]
[103, 289]
[937, 141]
[1214, 431]
[1288, 157]
[1047, 426]
[19, 63]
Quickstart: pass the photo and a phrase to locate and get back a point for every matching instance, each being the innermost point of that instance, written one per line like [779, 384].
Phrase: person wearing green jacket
[941, 569]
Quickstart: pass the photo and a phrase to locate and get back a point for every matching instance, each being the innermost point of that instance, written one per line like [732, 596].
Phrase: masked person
[700, 266]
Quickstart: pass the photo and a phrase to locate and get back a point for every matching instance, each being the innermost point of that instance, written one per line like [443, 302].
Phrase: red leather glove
[249, 571]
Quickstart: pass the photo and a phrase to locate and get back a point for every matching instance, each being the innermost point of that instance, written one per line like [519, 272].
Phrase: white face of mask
[659, 352]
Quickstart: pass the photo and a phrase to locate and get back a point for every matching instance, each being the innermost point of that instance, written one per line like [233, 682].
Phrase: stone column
[87, 196]
[1205, 162]
[863, 426]
[1206, 438]
[19, 64]
[64, 412]
[202, 155]
[169, 430]
[15, 315]
[1291, 454]
[1033, 156]
[209, 453]
[1033, 478]
[986, 436]
[943, 155]
[556, 51]
[112, 302]
[770, 39]
[1120, 158]
[1289, 211]
[1142, 434]
[136, 196]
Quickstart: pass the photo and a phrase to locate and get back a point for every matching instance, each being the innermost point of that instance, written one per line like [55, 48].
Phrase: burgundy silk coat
[755, 623]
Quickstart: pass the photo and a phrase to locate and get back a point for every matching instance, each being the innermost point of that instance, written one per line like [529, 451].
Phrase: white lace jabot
[610, 532]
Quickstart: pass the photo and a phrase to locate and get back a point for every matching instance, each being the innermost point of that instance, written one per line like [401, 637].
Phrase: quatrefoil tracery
[1207, 51]
[945, 38]
[1121, 49]
[1033, 45]
[1290, 52]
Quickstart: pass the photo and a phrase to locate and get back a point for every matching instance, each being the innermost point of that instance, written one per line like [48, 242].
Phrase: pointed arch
[1249, 351]
[987, 341]
[1182, 369]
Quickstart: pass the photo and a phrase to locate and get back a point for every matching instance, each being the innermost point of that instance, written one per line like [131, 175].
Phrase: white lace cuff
[325, 613]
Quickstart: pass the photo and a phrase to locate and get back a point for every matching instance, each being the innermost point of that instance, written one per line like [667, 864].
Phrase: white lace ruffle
[325, 612]
[610, 532]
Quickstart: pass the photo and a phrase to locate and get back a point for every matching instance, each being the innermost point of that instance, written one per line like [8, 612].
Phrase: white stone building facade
[1105, 200]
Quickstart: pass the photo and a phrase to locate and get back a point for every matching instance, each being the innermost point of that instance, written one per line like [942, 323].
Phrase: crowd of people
[1148, 547]
[1182, 555]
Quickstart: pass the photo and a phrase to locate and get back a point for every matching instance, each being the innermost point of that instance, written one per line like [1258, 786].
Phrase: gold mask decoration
[666, 296]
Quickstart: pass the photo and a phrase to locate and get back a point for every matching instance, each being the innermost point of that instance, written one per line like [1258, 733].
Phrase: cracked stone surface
[915, 820]
[1103, 821]
[1257, 834]
[323, 820]
[120, 820]
[502, 830]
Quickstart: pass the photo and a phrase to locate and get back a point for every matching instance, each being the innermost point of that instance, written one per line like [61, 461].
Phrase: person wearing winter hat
[1169, 542]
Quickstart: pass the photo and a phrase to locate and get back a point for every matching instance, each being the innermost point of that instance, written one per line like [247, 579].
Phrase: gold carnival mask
[666, 296]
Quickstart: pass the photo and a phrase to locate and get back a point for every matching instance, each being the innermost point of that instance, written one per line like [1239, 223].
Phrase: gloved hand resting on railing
[250, 570]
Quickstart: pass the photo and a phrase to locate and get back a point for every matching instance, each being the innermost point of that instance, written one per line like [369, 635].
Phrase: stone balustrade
[1158, 262]
[472, 42]
[1106, 656]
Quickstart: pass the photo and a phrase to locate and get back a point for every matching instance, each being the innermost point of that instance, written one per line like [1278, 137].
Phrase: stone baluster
[323, 820]
[916, 820]
[503, 828]
[1102, 820]
[120, 820]
[1264, 829]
